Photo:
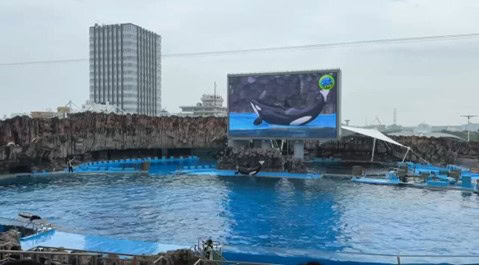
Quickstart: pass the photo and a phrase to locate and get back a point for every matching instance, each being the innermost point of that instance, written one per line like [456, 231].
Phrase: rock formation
[178, 257]
[174, 257]
[27, 143]
[434, 150]
[21, 262]
[274, 160]
[10, 240]
[230, 158]
[46, 143]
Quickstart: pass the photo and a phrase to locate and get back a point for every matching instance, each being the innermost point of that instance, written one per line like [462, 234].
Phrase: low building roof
[427, 134]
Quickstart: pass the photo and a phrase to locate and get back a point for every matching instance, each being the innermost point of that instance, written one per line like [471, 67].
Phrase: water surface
[306, 214]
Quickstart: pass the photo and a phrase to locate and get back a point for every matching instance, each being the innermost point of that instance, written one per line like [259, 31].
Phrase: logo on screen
[326, 82]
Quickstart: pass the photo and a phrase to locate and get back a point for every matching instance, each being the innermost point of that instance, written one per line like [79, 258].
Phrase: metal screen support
[407, 152]
[374, 148]
[299, 150]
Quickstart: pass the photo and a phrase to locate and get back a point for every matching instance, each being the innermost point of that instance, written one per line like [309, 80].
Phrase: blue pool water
[317, 214]
[241, 125]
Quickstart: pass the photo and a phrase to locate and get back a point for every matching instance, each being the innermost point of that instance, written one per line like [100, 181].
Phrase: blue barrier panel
[466, 182]
[435, 183]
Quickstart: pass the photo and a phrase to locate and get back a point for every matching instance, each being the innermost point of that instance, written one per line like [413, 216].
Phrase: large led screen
[299, 105]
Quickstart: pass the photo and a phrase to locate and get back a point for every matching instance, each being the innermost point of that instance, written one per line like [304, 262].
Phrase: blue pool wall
[156, 164]
[440, 172]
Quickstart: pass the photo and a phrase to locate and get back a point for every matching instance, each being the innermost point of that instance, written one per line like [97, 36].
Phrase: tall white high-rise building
[125, 68]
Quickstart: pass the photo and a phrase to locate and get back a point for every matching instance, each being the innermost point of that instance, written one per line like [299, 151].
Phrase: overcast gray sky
[433, 82]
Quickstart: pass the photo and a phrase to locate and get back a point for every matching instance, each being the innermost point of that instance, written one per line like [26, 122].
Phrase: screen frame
[322, 71]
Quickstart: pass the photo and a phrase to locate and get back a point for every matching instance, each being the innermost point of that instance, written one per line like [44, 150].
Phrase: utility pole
[468, 116]
[394, 117]
[214, 96]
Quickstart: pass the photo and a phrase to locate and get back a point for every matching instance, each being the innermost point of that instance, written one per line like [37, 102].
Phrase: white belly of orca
[252, 172]
[301, 120]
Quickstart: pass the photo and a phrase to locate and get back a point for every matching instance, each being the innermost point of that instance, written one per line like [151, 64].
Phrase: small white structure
[19, 114]
[428, 135]
[163, 112]
[101, 108]
[211, 105]
[423, 128]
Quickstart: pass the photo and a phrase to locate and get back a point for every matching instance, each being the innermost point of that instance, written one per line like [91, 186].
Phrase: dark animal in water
[251, 171]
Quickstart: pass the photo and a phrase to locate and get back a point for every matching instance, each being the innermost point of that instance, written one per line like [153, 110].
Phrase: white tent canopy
[372, 133]
[376, 135]
[379, 136]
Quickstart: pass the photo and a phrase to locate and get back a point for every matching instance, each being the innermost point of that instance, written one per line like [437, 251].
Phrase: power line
[45, 62]
[332, 45]
[283, 48]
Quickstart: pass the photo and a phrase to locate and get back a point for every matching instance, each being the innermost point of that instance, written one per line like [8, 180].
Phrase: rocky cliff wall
[47, 142]
[440, 151]
[433, 150]
[249, 157]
